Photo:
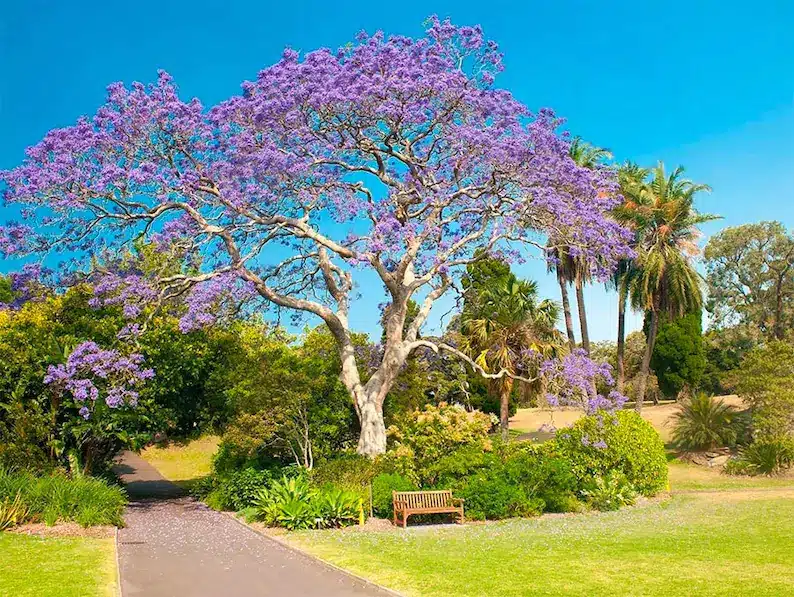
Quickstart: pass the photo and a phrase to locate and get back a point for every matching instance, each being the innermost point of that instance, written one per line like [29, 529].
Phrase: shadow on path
[174, 546]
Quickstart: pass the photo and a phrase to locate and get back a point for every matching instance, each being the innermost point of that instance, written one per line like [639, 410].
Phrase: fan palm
[503, 324]
[664, 280]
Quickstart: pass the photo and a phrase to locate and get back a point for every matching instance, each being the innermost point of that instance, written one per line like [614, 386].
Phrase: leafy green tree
[766, 381]
[679, 356]
[501, 321]
[665, 279]
[290, 397]
[751, 277]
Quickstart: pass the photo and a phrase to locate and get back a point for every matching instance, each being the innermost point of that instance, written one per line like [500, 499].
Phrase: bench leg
[405, 519]
[461, 518]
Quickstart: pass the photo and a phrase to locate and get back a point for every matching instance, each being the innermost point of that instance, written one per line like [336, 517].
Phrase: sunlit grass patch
[56, 567]
[688, 545]
[183, 463]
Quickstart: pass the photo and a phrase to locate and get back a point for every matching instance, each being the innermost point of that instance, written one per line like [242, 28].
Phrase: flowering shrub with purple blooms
[92, 376]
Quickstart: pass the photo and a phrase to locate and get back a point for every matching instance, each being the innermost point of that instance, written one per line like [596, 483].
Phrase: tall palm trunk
[505, 389]
[582, 315]
[566, 308]
[621, 370]
[646, 359]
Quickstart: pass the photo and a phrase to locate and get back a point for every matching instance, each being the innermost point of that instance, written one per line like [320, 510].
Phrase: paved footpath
[174, 546]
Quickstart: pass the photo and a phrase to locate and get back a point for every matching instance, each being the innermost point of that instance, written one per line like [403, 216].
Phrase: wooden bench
[425, 502]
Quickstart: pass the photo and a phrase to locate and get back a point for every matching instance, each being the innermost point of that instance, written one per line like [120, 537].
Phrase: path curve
[175, 546]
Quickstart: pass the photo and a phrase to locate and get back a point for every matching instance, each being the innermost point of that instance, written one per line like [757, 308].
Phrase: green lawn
[720, 545]
[183, 463]
[74, 567]
[691, 477]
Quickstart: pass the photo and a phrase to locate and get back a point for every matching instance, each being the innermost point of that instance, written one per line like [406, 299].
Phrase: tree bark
[582, 315]
[372, 441]
[566, 308]
[646, 360]
[505, 389]
[621, 370]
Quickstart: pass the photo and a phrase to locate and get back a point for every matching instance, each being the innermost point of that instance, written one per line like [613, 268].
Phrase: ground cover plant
[57, 497]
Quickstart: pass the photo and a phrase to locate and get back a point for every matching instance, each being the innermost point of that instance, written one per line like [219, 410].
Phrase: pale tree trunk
[368, 398]
[372, 440]
[621, 370]
[566, 309]
[582, 315]
[505, 389]
[646, 360]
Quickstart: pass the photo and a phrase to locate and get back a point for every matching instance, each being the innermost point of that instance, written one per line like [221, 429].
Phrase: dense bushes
[422, 437]
[294, 504]
[382, 487]
[596, 445]
[85, 500]
[765, 380]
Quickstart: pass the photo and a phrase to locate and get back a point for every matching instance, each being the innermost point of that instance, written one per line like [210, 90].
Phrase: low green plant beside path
[56, 567]
[690, 545]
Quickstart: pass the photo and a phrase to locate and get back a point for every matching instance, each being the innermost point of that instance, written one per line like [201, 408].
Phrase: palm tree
[562, 265]
[665, 280]
[505, 321]
[631, 178]
[571, 268]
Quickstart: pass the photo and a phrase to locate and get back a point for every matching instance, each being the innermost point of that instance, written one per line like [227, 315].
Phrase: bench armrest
[461, 500]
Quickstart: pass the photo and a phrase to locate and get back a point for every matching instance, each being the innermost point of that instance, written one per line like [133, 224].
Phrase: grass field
[183, 463]
[530, 420]
[56, 567]
[732, 543]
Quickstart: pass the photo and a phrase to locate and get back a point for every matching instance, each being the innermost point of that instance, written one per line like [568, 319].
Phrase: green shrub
[423, 437]
[543, 474]
[240, 489]
[491, 495]
[339, 507]
[85, 500]
[596, 445]
[294, 504]
[382, 487]
[349, 470]
[766, 457]
[455, 466]
[704, 423]
[610, 492]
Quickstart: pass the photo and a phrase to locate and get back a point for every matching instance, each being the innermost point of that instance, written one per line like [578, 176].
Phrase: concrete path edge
[320, 561]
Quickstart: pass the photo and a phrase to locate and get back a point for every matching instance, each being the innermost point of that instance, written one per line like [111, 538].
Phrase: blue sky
[706, 84]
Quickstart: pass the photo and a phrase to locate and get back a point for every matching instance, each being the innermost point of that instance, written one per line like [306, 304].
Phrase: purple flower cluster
[28, 284]
[395, 154]
[91, 373]
[573, 379]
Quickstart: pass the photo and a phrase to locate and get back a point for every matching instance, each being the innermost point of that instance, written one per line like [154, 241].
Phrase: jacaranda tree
[392, 155]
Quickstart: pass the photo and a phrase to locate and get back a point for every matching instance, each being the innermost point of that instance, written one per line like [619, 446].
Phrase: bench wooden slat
[425, 502]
